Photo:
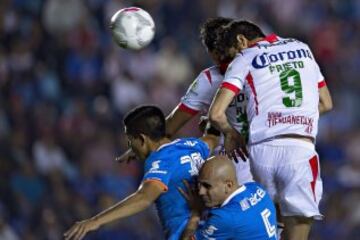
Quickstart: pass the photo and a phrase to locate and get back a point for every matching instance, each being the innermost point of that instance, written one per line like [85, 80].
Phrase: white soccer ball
[132, 28]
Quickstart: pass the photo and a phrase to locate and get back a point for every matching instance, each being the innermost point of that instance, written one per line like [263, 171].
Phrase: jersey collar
[167, 144]
[239, 190]
[269, 38]
[223, 67]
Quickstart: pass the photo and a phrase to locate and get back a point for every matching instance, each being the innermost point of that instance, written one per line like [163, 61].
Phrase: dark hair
[227, 36]
[146, 119]
[210, 29]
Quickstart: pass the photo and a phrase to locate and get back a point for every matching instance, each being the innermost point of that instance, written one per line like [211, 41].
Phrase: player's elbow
[216, 117]
[326, 106]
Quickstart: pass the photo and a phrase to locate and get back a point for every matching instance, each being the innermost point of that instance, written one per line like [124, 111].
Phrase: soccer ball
[132, 28]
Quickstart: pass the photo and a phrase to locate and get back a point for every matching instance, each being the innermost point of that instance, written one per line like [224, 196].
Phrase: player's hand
[126, 157]
[202, 123]
[192, 197]
[80, 229]
[235, 146]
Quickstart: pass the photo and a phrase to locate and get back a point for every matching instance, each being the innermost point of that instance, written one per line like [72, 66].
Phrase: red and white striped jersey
[280, 77]
[201, 92]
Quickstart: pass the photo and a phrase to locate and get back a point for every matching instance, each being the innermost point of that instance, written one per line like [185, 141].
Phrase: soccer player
[166, 164]
[202, 91]
[243, 212]
[286, 92]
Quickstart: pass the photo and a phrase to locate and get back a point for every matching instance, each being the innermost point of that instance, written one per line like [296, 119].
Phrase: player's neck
[156, 145]
[254, 41]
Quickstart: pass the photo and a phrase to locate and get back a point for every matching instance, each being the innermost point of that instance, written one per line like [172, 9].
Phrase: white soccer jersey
[281, 78]
[201, 92]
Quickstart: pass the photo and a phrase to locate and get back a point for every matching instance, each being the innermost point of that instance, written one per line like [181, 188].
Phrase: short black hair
[227, 36]
[210, 29]
[146, 119]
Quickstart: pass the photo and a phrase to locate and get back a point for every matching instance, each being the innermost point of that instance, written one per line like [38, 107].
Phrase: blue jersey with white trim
[248, 214]
[169, 165]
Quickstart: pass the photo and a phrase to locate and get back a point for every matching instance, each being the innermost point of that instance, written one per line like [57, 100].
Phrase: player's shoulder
[240, 63]
[189, 142]
[254, 187]
[221, 216]
[210, 75]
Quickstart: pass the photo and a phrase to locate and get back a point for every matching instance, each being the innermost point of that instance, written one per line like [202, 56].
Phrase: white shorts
[289, 170]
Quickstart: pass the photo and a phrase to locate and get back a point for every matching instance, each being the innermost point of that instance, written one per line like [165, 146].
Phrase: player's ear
[142, 138]
[242, 41]
[229, 184]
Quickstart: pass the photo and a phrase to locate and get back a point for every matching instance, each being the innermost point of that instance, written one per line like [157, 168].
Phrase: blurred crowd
[65, 86]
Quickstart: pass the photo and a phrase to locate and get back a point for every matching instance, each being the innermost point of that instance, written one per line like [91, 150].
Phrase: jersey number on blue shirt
[195, 161]
[270, 229]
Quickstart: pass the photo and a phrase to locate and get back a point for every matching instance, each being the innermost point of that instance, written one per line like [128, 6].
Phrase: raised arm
[177, 119]
[147, 193]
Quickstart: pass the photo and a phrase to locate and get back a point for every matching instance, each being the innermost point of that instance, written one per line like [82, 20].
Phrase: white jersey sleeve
[201, 92]
[235, 75]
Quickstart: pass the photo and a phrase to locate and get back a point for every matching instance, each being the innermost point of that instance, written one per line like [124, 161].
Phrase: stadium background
[64, 87]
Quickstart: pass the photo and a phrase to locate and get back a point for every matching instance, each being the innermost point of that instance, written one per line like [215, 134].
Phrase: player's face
[211, 192]
[137, 145]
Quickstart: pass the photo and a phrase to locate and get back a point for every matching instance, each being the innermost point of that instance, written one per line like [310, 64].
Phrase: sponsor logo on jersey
[265, 59]
[210, 230]
[254, 199]
[244, 204]
[190, 143]
[155, 168]
[257, 197]
[275, 118]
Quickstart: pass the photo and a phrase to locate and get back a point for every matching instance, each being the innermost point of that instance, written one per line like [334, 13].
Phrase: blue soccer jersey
[168, 166]
[248, 214]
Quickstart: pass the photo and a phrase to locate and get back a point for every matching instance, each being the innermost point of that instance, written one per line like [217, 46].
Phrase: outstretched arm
[177, 119]
[147, 193]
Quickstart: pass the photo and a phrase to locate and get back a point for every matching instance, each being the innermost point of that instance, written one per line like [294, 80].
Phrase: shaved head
[217, 180]
[219, 168]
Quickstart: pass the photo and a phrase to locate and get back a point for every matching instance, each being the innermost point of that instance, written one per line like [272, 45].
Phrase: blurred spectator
[349, 174]
[126, 92]
[61, 16]
[6, 231]
[48, 155]
[166, 60]
[65, 85]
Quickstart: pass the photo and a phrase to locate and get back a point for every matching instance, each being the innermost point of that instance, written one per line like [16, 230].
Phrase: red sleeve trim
[231, 87]
[322, 84]
[162, 185]
[184, 108]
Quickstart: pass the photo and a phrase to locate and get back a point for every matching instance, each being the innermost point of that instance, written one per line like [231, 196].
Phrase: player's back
[201, 92]
[170, 165]
[248, 214]
[281, 81]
